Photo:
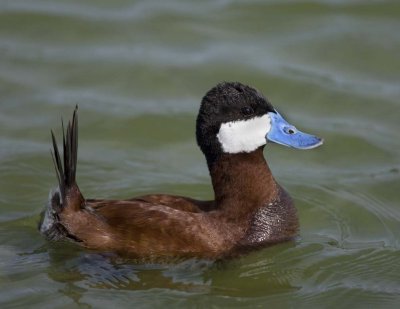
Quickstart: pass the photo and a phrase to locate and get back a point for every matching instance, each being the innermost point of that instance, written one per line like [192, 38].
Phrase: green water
[138, 70]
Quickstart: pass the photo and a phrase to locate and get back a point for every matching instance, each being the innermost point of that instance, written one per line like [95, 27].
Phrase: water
[138, 70]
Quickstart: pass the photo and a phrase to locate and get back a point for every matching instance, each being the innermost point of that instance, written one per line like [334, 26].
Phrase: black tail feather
[67, 196]
[66, 170]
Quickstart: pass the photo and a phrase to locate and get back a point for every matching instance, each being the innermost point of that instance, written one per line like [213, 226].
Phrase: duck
[250, 209]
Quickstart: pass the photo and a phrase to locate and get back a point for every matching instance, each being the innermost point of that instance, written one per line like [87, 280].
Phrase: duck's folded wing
[141, 229]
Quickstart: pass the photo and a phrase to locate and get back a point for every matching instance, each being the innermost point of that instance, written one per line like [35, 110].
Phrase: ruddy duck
[250, 209]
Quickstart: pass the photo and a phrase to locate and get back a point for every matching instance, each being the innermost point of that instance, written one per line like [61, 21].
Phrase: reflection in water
[80, 270]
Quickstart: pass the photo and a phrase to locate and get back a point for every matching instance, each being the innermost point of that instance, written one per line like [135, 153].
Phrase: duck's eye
[247, 110]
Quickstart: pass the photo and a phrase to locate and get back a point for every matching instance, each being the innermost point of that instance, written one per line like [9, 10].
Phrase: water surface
[138, 70]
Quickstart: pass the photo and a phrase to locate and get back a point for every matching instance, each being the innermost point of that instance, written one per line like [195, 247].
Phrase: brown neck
[242, 183]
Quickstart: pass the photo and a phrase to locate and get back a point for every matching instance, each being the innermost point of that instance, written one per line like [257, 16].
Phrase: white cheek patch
[244, 135]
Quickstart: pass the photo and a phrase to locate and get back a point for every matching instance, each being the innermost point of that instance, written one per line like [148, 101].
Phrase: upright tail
[66, 176]
[67, 197]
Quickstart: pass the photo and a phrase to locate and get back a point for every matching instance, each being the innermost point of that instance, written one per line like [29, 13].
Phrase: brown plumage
[250, 209]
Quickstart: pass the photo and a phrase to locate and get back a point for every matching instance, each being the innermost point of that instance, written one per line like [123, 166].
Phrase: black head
[225, 103]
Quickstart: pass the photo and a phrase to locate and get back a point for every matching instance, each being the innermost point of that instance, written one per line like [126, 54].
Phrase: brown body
[173, 226]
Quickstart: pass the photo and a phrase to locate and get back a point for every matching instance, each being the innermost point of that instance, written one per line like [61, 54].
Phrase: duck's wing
[178, 202]
[141, 229]
[173, 201]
